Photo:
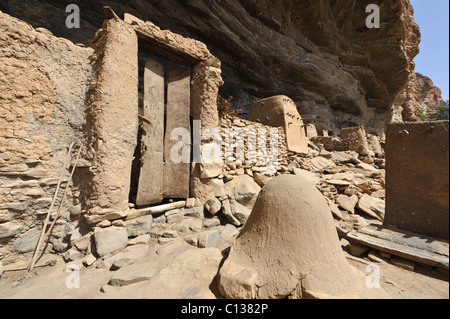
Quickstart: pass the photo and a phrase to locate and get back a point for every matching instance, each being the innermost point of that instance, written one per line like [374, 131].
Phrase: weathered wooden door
[159, 177]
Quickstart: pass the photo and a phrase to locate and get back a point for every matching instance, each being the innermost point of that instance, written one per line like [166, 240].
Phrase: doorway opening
[164, 105]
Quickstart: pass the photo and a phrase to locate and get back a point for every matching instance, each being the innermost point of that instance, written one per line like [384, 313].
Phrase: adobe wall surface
[417, 178]
[112, 124]
[43, 80]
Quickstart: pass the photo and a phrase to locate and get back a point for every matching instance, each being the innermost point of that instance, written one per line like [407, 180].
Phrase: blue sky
[432, 61]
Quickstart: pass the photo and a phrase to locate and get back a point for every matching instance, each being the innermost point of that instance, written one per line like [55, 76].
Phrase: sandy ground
[51, 282]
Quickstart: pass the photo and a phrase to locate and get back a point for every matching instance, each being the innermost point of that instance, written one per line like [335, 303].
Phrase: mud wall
[417, 185]
[43, 81]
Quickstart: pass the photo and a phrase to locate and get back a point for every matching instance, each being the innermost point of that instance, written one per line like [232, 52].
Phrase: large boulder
[289, 247]
[242, 192]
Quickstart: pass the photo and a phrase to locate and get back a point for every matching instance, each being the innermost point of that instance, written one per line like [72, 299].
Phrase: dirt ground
[50, 282]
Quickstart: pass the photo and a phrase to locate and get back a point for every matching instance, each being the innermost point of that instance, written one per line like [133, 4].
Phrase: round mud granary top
[289, 247]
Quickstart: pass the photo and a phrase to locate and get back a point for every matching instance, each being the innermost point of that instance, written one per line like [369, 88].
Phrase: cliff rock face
[424, 95]
[319, 53]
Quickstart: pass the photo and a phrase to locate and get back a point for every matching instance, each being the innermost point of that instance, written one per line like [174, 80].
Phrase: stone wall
[417, 185]
[253, 161]
[43, 80]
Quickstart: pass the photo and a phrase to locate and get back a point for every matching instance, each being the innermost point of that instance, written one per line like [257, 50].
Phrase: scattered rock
[174, 216]
[261, 179]
[218, 187]
[83, 243]
[72, 254]
[211, 223]
[160, 219]
[320, 163]
[106, 262]
[374, 256]
[240, 212]
[89, 260]
[174, 248]
[229, 232]
[356, 221]
[184, 225]
[129, 256]
[374, 207]
[164, 240]
[338, 183]
[2, 269]
[246, 191]
[192, 240]
[155, 233]
[348, 203]
[226, 211]
[196, 212]
[196, 225]
[132, 274]
[109, 240]
[335, 210]
[190, 203]
[213, 206]
[208, 239]
[366, 167]
[403, 263]
[344, 157]
[358, 250]
[357, 139]
[170, 234]
[306, 175]
[138, 226]
[140, 240]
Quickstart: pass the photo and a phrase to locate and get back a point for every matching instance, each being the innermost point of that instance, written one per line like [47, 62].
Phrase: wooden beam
[429, 251]
[165, 49]
[135, 213]
[109, 13]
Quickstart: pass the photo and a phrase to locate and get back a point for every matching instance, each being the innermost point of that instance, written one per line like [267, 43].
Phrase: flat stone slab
[426, 250]
[133, 274]
[109, 240]
[337, 182]
[130, 255]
